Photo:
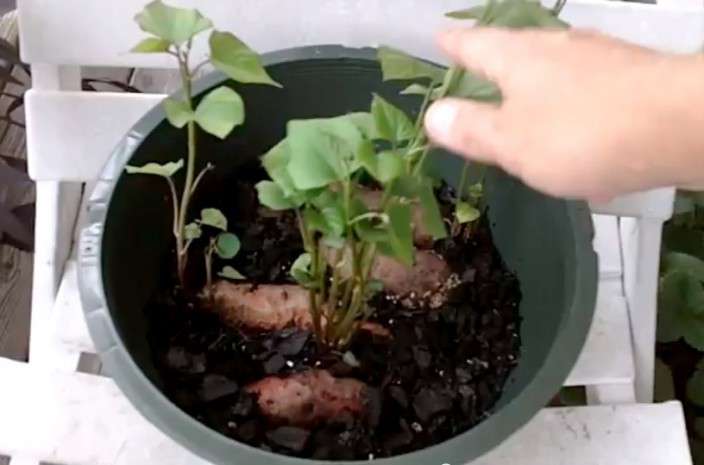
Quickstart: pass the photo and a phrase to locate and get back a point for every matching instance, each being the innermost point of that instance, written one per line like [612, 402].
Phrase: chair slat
[100, 33]
[71, 134]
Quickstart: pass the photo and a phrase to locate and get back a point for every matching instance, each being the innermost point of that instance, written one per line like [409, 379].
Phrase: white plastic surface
[101, 33]
[85, 420]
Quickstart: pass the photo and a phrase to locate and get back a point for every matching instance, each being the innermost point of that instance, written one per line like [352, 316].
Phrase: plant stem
[559, 5]
[463, 182]
[181, 250]
[311, 248]
[209, 267]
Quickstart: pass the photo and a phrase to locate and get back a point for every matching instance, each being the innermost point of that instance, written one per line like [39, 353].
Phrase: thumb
[465, 127]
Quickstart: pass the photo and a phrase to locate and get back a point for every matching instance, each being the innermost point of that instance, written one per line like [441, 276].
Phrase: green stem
[209, 267]
[181, 251]
[463, 182]
[311, 248]
[559, 5]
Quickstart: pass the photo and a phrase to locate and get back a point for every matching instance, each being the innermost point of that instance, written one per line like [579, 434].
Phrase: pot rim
[217, 448]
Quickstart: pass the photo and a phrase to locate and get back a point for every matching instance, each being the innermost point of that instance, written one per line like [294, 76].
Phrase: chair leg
[610, 394]
[57, 209]
[641, 262]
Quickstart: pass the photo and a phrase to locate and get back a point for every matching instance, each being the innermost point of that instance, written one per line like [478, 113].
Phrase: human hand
[583, 115]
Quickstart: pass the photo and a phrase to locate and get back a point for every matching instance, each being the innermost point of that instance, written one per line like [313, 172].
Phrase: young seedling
[224, 244]
[173, 31]
[434, 83]
[316, 171]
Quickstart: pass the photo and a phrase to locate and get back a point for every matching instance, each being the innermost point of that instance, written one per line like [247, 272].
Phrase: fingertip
[440, 119]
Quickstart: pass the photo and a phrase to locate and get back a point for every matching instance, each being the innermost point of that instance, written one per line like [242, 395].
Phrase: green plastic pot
[547, 241]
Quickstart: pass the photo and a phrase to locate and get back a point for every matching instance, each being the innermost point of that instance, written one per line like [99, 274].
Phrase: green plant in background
[318, 169]
[173, 31]
[457, 82]
[681, 308]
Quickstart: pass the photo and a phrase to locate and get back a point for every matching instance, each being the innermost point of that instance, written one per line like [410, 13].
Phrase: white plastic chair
[71, 133]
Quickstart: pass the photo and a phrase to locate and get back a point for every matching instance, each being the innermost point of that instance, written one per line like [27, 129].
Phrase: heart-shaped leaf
[165, 170]
[397, 65]
[220, 111]
[229, 272]
[384, 166]
[176, 25]
[272, 196]
[152, 45]
[322, 151]
[234, 58]
[178, 112]
[392, 124]
[227, 245]
[214, 218]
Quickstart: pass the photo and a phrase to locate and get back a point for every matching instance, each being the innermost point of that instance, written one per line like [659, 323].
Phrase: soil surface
[439, 375]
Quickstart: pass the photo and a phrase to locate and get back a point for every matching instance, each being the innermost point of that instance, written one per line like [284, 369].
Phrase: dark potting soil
[439, 375]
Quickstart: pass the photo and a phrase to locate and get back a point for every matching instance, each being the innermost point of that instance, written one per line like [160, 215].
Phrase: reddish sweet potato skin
[427, 275]
[308, 398]
[269, 307]
[421, 237]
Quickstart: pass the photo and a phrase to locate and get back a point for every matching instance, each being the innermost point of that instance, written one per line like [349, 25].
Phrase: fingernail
[440, 119]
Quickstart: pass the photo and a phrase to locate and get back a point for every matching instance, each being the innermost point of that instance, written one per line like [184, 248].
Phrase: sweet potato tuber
[421, 237]
[308, 398]
[269, 307]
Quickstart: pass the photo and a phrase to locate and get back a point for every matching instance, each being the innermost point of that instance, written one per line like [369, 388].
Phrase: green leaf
[230, 273]
[178, 112]
[476, 190]
[176, 25]
[329, 220]
[152, 45]
[165, 170]
[227, 245]
[695, 386]
[466, 213]
[272, 196]
[192, 231]
[684, 262]
[398, 65]
[415, 89]
[520, 14]
[392, 123]
[664, 384]
[475, 12]
[234, 58]
[473, 87]
[400, 241]
[364, 122]
[214, 218]
[432, 217]
[680, 315]
[323, 151]
[300, 270]
[384, 166]
[333, 242]
[220, 111]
